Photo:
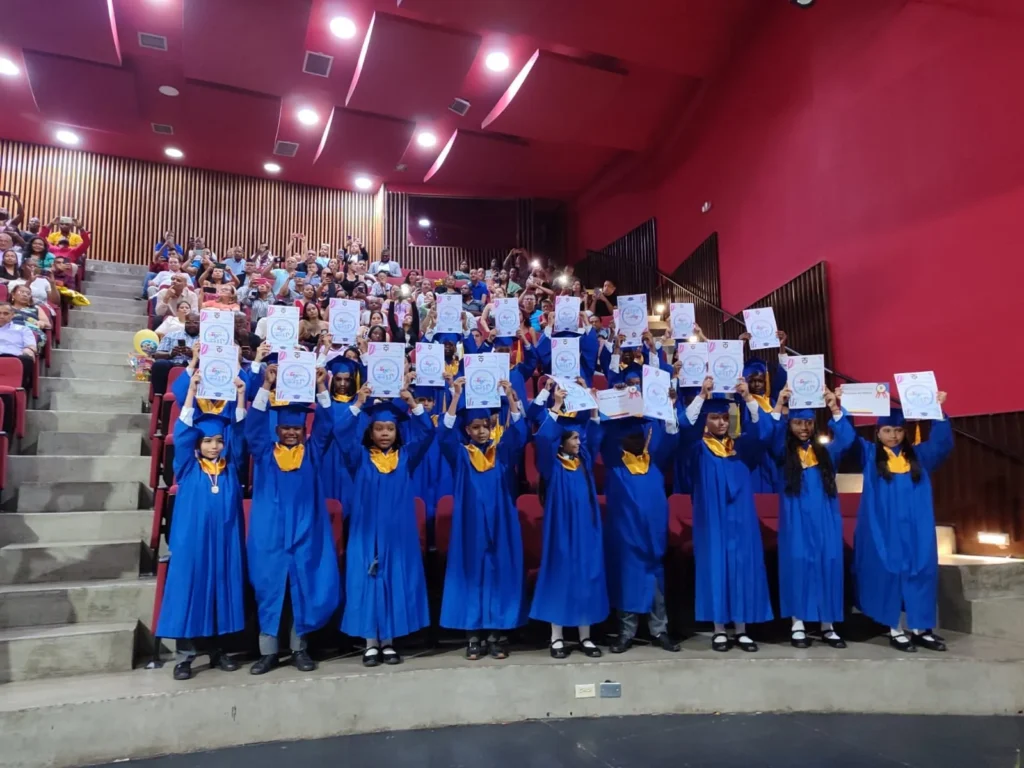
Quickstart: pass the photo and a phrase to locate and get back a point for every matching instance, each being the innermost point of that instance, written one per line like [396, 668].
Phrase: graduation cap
[292, 415]
[754, 366]
[894, 419]
[717, 404]
[421, 392]
[802, 413]
[342, 364]
[211, 425]
[442, 338]
[472, 414]
[387, 412]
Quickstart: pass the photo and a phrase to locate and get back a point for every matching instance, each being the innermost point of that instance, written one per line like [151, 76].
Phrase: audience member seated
[7, 244]
[386, 265]
[72, 253]
[462, 273]
[603, 302]
[469, 303]
[198, 252]
[43, 288]
[224, 298]
[177, 289]
[163, 279]
[64, 231]
[17, 341]
[235, 262]
[175, 323]
[9, 269]
[258, 298]
[174, 351]
[28, 314]
[311, 326]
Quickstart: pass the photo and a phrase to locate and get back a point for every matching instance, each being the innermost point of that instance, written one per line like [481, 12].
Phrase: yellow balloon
[146, 342]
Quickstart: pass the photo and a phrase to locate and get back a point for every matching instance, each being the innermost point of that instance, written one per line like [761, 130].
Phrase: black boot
[303, 662]
[183, 670]
[222, 662]
[621, 645]
[667, 643]
[264, 664]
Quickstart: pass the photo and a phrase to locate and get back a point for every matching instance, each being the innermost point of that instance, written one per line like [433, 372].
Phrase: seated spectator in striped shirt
[177, 290]
[176, 322]
[175, 350]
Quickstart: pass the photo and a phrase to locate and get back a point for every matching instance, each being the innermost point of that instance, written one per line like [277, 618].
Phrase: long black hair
[882, 458]
[793, 470]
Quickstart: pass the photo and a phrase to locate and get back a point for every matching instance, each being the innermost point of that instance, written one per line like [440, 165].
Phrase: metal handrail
[789, 350]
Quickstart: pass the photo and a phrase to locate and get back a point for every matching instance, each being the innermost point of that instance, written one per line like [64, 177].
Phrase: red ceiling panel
[83, 29]
[408, 69]
[228, 121]
[66, 92]
[360, 142]
[257, 46]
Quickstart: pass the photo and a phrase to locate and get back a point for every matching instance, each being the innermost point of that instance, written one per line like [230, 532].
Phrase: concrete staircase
[73, 521]
[982, 595]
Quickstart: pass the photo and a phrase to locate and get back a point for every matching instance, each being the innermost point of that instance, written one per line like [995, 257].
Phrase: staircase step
[110, 304]
[67, 401]
[93, 318]
[77, 469]
[984, 578]
[89, 444]
[116, 268]
[61, 527]
[97, 290]
[98, 388]
[38, 422]
[39, 563]
[94, 279]
[73, 370]
[76, 497]
[77, 602]
[33, 653]
[98, 340]
[68, 354]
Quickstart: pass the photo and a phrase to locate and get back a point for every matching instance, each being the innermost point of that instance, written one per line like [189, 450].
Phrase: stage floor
[95, 719]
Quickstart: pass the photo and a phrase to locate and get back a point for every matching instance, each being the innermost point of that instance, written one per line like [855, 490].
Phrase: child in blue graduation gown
[293, 564]
[731, 584]
[432, 477]
[337, 479]
[571, 586]
[810, 527]
[385, 589]
[636, 453]
[896, 561]
[204, 593]
[765, 389]
[484, 582]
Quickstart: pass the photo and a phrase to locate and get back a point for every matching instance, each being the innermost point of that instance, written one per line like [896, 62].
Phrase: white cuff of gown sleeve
[776, 415]
[355, 409]
[615, 362]
[262, 399]
[755, 410]
[672, 427]
[837, 416]
[239, 414]
[256, 367]
[323, 399]
[321, 360]
[694, 408]
[449, 420]
[418, 410]
[186, 415]
[542, 397]
[515, 416]
[547, 331]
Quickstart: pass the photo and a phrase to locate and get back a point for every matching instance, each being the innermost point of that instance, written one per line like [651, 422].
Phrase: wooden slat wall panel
[700, 276]
[396, 214]
[631, 262]
[128, 204]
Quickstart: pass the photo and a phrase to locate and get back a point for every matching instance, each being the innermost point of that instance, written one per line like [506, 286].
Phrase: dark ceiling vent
[286, 148]
[166, 130]
[401, 167]
[318, 64]
[460, 107]
[152, 42]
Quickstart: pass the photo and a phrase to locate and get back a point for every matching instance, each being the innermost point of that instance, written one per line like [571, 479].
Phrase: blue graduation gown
[484, 582]
[681, 480]
[811, 535]
[337, 479]
[290, 540]
[571, 586]
[432, 477]
[588, 353]
[731, 583]
[896, 560]
[767, 477]
[205, 590]
[385, 589]
[637, 526]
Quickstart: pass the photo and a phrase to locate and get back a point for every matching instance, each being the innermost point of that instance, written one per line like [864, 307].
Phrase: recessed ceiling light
[66, 137]
[363, 183]
[271, 167]
[168, 90]
[424, 223]
[496, 61]
[8, 68]
[174, 152]
[308, 117]
[343, 27]
[426, 139]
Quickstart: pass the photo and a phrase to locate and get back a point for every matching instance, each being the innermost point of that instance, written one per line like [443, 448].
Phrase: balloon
[146, 342]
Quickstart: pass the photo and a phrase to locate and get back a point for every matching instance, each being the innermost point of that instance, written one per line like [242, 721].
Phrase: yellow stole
[386, 463]
[808, 458]
[917, 433]
[210, 406]
[637, 465]
[482, 460]
[571, 463]
[898, 464]
[452, 367]
[342, 398]
[723, 449]
[212, 466]
[763, 401]
[434, 419]
[496, 432]
[274, 402]
[289, 459]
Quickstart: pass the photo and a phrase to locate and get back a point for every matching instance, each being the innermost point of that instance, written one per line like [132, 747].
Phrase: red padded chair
[3, 292]
[600, 382]
[602, 504]
[10, 384]
[680, 523]
[334, 512]
[4, 448]
[767, 505]
[849, 503]
[421, 522]
[531, 522]
[443, 523]
[530, 461]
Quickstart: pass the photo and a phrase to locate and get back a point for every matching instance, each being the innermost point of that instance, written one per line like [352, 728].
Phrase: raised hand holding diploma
[761, 325]
[919, 395]
[725, 363]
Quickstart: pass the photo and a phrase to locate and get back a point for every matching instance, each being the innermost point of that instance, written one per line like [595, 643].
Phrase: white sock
[896, 632]
[584, 632]
[719, 629]
[798, 626]
[741, 627]
[386, 643]
[556, 633]
[826, 627]
[372, 644]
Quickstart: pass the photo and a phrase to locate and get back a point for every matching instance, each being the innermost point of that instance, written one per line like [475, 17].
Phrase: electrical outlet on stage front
[610, 690]
[586, 691]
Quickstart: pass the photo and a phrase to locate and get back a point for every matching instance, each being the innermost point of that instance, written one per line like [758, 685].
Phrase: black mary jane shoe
[590, 650]
[561, 652]
[720, 642]
[832, 639]
[391, 656]
[223, 662]
[928, 640]
[302, 661]
[498, 647]
[371, 657]
[183, 671]
[906, 646]
[803, 641]
[264, 664]
[621, 645]
[667, 643]
[475, 650]
[744, 643]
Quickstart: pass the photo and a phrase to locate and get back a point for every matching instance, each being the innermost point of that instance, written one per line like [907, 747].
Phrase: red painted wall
[885, 137]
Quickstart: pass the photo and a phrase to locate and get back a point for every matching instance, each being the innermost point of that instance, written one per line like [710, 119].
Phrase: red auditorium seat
[680, 523]
[10, 384]
[530, 460]
[421, 522]
[4, 447]
[531, 522]
[599, 475]
[602, 504]
[337, 517]
[434, 274]
[849, 503]
[246, 511]
[767, 505]
[3, 291]
[443, 523]
[600, 382]
[395, 280]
